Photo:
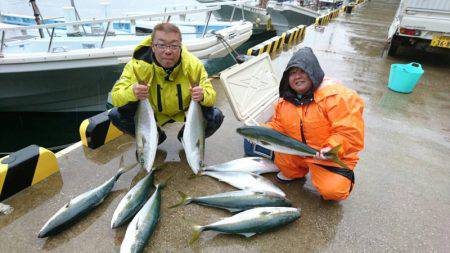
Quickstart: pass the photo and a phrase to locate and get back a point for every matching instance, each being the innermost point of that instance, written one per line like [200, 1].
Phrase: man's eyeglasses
[164, 47]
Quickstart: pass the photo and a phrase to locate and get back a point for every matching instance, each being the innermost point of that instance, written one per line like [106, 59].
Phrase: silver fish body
[245, 181]
[276, 141]
[194, 137]
[133, 201]
[279, 142]
[146, 134]
[236, 201]
[77, 207]
[143, 225]
[257, 165]
[250, 222]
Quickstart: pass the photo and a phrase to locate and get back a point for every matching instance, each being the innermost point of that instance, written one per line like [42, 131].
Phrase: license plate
[440, 41]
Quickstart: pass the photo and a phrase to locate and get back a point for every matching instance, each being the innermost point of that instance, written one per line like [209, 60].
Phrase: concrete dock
[400, 202]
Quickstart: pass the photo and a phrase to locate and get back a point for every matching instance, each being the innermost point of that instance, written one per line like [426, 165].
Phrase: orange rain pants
[333, 118]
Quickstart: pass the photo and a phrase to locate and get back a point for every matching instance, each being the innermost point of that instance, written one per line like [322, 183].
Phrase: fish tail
[193, 175]
[333, 156]
[196, 231]
[185, 200]
[159, 167]
[164, 183]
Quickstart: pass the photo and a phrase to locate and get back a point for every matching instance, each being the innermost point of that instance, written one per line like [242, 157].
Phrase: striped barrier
[325, 19]
[294, 35]
[272, 45]
[24, 168]
[351, 7]
[98, 130]
[276, 44]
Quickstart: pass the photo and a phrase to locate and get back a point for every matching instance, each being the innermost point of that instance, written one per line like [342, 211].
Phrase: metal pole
[37, 16]
[106, 33]
[208, 17]
[77, 15]
[51, 40]
[1, 44]
[232, 13]
[165, 10]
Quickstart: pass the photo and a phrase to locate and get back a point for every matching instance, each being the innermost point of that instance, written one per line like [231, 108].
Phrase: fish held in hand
[276, 141]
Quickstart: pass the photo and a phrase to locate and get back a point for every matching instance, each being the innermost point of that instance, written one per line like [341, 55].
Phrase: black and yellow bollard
[98, 130]
[24, 168]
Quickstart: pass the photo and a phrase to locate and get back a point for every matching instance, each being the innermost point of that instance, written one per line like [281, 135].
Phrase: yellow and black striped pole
[24, 168]
[98, 130]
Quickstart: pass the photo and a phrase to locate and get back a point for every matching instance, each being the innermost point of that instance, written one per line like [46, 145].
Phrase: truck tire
[395, 43]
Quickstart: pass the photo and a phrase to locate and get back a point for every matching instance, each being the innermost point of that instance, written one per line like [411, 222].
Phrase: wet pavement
[401, 200]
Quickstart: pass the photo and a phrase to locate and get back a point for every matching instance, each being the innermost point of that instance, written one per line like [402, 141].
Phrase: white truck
[422, 24]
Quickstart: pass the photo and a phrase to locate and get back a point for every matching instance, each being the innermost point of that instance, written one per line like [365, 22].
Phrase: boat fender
[24, 168]
[98, 130]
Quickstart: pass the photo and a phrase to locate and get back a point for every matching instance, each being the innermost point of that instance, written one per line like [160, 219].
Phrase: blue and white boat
[61, 73]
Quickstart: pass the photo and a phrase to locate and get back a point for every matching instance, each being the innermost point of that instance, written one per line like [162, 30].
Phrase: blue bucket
[404, 77]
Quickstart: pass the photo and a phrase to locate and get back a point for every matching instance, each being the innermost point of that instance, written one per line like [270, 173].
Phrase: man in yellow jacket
[166, 70]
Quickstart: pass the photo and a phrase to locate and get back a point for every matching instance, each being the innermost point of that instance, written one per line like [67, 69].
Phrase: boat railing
[132, 18]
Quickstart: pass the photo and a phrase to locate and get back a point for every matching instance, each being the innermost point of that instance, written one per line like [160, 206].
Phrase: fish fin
[333, 156]
[196, 231]
[247, 234]
[137, 224]
[121, 162]
[67, 205]
[234, 210]
[185, 200]
[265, 143]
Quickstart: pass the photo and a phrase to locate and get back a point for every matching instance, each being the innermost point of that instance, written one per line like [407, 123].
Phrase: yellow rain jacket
[169, 95]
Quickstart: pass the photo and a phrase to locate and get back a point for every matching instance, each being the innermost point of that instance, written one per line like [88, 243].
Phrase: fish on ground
[250, 222]
[245, 181]
[279, 142]
[236, 201]
[133, 201]
[257, 165]
[80, 205]
[143, 224]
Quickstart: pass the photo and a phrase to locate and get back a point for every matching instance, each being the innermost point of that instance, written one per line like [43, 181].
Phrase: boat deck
[401, 200]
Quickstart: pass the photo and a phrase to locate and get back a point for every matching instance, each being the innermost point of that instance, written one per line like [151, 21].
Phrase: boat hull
[67, 90]
[286, 16]
[257, 16]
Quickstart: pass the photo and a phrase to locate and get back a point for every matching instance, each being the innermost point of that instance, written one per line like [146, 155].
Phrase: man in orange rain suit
[323, 114]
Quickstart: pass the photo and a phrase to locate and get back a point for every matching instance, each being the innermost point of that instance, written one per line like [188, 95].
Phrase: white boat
[251, 11]
[288, 14]
[61, 74]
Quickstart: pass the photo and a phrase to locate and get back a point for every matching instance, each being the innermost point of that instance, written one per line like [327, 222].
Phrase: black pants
[123, 118]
